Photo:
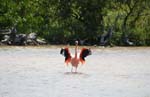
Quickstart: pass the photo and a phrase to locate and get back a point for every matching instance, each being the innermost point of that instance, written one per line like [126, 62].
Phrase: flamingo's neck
[76, 51]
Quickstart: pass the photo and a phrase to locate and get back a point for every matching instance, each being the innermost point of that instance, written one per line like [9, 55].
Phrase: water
[41, 72]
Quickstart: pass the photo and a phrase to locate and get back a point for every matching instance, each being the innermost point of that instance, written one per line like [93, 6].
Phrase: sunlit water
[41, 72]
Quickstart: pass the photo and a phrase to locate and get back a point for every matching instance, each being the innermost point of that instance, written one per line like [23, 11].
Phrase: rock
[32, 39]
[41, 41]
[128, 42]
[105, 38]
[32, 36]
[6, 40]
[20, 39]
[10, 37]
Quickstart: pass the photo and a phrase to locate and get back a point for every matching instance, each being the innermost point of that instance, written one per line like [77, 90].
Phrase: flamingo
[75, 60]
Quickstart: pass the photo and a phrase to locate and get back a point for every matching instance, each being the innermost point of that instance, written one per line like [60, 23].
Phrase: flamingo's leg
[71, 68]
[76, 70]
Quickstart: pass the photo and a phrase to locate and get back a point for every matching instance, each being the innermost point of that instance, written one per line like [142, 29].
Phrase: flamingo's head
[76, 42]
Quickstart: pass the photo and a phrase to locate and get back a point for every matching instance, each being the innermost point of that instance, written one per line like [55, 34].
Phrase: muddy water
[41, 72]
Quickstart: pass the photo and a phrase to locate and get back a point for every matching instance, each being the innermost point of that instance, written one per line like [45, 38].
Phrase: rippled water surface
[41, 72]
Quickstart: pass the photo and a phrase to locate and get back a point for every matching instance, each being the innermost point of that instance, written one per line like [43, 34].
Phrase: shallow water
[41, 72]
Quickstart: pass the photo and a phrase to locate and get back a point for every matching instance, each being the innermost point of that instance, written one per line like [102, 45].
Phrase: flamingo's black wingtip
[61, 51]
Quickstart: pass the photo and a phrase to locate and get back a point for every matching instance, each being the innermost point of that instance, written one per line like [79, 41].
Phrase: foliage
[63, 21]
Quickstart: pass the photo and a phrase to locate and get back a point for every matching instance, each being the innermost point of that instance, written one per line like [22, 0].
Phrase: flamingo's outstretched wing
[84, 53]
[65, 52]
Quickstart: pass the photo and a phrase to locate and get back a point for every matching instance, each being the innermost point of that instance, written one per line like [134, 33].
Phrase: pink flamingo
[75, 60]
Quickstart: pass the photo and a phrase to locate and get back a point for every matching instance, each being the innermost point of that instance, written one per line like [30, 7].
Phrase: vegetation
[63, 21]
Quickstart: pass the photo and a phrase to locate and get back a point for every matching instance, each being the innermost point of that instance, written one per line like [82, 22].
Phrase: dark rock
[20, 39]
[127, 42]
